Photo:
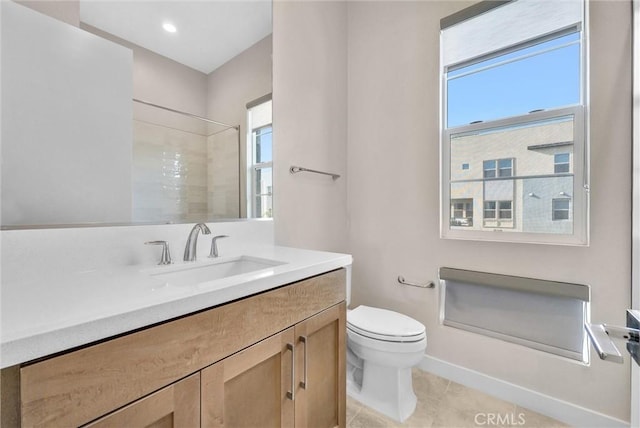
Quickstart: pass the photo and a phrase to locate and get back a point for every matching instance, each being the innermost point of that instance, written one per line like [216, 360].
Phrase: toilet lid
[385, 325]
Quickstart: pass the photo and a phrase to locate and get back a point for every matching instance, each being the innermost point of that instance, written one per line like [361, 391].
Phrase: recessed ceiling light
[169, 27]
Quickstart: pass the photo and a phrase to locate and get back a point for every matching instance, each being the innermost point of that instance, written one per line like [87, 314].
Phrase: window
[560, 209]
[465, 166]
[489, 168]
[259, 159]
[498, 168]
[490, 209]
[513, 79]
[462, 212]
[498, 210]
[504, 210]
[561, 163]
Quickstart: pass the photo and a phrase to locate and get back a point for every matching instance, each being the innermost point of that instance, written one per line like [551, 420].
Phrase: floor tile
[367, 418]
[446, 404]
[353, 407]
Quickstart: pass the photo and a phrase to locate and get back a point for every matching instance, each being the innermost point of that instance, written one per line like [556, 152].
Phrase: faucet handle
[165, 259]
[214, 245]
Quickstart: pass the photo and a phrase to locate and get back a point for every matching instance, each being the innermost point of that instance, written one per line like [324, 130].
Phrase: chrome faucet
[192, 241]
[214, 245]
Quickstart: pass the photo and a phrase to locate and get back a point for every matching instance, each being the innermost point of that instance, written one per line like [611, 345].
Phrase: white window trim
[580, 159]
[253, 168]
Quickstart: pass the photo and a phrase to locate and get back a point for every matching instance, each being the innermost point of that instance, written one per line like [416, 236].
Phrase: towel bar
[429, 284]
[296, 169]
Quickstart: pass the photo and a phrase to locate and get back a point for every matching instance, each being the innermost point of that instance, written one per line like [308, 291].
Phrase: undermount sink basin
[219, 269]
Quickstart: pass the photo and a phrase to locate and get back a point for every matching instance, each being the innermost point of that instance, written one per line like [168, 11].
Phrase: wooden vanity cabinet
[177, 405]
[251, 388]
[275, 359]
[294, 378]
[321, 370]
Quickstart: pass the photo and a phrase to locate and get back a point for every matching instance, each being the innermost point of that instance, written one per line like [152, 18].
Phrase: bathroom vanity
[273, 355]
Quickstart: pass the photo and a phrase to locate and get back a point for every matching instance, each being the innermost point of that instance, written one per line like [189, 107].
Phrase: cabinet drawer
[78, 387]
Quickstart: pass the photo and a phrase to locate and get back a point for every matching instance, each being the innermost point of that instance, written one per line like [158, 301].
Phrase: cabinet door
[252, 388]
[177, 405]
[320, 366]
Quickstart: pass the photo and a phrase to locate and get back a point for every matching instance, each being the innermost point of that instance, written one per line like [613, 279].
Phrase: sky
[543, 81]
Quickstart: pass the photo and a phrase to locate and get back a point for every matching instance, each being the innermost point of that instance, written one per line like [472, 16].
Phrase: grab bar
[296, 169]
[429, 284]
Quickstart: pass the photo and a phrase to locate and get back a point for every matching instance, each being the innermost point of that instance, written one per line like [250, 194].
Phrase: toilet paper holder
[403, 281]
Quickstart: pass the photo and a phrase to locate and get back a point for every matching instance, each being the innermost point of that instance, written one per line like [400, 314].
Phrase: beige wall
[230, 87]
[310, 117]
[390, 206]
[160, 80]
[393, 197]
[65, 10]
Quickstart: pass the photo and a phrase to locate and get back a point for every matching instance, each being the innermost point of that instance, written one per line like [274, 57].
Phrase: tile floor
[446, 404]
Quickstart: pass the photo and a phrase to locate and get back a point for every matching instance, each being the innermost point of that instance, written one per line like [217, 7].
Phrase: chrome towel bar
[296, 169]
[429, 284]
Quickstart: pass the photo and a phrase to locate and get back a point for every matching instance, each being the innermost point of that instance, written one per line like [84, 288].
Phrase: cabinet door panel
[177, 405]
[249, 389]
[321, 370]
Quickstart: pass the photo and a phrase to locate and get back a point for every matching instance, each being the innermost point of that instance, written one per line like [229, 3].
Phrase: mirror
[184, 153]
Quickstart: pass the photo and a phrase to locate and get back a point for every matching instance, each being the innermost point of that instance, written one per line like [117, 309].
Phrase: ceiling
[209, 32]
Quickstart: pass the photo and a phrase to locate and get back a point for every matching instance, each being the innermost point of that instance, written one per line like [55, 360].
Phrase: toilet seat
[385, 325]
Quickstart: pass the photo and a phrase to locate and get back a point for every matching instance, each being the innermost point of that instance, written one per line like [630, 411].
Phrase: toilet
[382, 348]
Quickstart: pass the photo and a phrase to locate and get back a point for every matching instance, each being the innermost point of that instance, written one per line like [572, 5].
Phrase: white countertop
[49, 312]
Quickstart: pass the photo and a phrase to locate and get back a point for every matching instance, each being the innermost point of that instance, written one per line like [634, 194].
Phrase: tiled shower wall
[184, 176]
[169, 174]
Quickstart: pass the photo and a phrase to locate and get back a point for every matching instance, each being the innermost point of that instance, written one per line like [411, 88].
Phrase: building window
[465, 166]
[462, 212]
[500, 210]
[260, 161]
[490, 210]
[498, 168]
[561, 163]
[504, 210]
[513, 92]
[560, 209]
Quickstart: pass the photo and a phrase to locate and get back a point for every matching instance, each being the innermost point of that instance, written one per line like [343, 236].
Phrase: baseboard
[562, 411]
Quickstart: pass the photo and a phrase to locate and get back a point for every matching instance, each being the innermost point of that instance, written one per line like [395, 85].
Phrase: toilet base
[388, 390]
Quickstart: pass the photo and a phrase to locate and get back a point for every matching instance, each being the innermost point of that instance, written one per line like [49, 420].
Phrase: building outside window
[561, 163]
[498, 168]
[462, 212]
[260, 159]
[490, 210]
[560, 209]
[516, 97]
[498, 214]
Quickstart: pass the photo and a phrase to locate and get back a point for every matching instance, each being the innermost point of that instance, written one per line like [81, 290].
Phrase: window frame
[254, 167]
[580, 157]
